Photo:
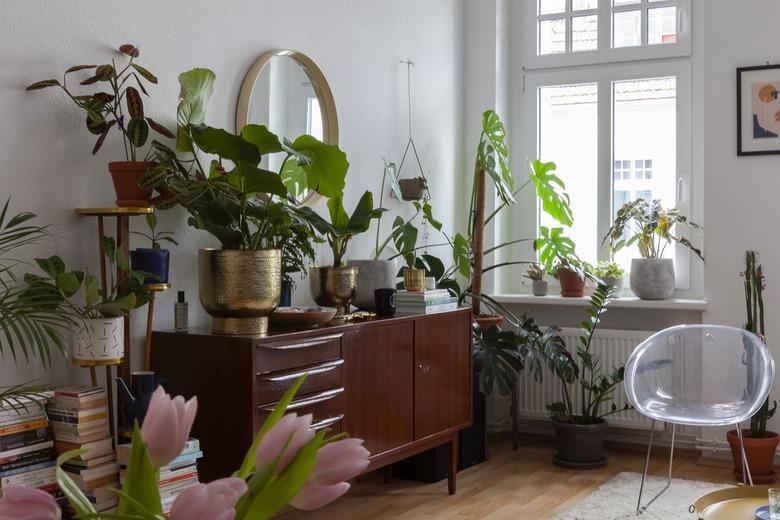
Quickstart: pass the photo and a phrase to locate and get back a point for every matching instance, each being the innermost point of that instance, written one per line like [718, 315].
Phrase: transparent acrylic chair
[698, 375]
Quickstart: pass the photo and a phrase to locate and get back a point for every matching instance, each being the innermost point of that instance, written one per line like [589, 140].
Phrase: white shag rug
[617, 499]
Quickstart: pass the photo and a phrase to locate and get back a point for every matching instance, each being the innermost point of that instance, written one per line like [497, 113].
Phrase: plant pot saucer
[766, 478]
[570, 464]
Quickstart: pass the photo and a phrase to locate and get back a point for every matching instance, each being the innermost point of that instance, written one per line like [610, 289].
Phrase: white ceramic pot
[100, 342]
[372, 274]
[652, 278]
[539, 287]
[618, 283]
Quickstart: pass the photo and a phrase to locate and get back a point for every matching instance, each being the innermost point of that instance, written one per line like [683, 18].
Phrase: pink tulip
[23, 503]
[213, 501]
[167, 425]
[336, 462]
[290, 428]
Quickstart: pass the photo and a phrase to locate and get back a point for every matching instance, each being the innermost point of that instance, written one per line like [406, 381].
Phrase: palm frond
[20, 397]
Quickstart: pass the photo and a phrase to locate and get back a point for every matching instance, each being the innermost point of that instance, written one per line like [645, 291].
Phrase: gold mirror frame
[330, 123]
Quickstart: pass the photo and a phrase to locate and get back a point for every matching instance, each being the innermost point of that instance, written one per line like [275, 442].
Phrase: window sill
[623, 302]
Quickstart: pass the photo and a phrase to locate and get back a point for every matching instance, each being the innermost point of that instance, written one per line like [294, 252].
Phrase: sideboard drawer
[323, 376]
[327, 408]
[284, 355]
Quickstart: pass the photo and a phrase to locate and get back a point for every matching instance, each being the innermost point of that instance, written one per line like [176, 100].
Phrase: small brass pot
[333, 286]
[239, 289]
[414, 279]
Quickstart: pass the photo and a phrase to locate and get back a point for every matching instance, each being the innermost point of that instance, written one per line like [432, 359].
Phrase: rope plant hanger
[415, 188]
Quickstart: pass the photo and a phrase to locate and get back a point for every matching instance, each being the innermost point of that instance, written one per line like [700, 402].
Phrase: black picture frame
[740, 123]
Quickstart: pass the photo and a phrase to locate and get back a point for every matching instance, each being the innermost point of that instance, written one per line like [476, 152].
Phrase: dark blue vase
[286, 299]
[134, 401]
[152, 261]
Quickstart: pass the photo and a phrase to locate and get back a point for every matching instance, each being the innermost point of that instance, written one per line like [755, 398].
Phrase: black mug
[385, 301]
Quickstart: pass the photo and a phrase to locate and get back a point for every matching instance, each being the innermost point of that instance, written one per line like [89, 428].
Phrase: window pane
[552, 36]
[584, 33]
[627, 29]
[624, 2]
[662, 25]
[552, 6]
[645, 131]
[568, 135]
[579, 5]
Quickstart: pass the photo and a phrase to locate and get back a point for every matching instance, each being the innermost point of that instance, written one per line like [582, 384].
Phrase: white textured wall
[46, 164]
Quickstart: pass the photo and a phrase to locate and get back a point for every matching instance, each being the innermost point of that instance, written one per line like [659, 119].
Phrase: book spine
[23, 427]
[32, 467]
[36, 478]
[431, 309]
[17, 440]
[28, 460]
[10, 455]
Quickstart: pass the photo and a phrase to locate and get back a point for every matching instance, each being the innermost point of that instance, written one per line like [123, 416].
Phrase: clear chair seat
[695, 414]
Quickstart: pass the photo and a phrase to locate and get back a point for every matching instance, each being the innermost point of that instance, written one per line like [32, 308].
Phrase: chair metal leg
[639, 507]
[746, 476]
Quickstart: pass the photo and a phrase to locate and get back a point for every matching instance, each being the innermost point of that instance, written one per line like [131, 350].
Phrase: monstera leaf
[197, 85]
[550, 190]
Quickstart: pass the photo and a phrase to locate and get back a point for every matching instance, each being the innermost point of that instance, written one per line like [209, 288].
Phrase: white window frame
[604, 53]
[688, 270]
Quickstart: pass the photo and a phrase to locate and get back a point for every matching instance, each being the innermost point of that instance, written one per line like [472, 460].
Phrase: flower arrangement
[288, 463]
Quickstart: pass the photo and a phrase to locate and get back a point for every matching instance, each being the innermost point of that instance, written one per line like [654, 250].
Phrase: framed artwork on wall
[758, 110]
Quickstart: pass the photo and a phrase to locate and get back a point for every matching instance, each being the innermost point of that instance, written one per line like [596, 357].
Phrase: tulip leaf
[140, 480]
[248, 465]
[75, 496]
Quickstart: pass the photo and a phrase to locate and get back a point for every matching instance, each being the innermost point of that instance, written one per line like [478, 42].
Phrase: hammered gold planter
[239, 289]
[333, 286]
[414, 279]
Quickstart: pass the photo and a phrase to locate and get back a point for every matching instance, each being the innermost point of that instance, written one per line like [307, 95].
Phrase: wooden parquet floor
[521, 485]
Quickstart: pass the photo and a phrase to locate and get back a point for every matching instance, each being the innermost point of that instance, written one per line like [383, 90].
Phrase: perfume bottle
[181, 313]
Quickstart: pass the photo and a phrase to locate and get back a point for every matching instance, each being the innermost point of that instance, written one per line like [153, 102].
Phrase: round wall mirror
[286, 91]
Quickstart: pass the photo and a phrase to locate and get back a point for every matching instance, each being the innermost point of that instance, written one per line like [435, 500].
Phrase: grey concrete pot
[652, 278]
[539, 287]
[618, 283]
[372, 274]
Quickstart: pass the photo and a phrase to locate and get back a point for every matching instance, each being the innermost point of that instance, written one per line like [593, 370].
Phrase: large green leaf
[550, 190]
[338, 215]
[461, 254]
[250, 180]
[197, 85]
[75, 496]
[493, 149]
[360, 220]
[260, 136]
[226, 145]
[140, 479]
[327, 168]
[293, 177]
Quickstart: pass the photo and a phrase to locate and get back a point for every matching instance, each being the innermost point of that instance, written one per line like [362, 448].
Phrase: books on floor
[175, 477]
[425, 302]
[79, 420]
[27, 455]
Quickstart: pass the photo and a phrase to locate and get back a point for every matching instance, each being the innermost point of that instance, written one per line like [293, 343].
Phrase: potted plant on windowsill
[120, 108]
[154, 260]
[611, 274]
[580, 429]
[557, 254]
[241, 204]
[652, 228]
[760, 444]
[535, 273]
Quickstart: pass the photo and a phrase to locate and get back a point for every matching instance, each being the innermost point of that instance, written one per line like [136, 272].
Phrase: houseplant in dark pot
[241, 204]
[117, 104]
[153, 260]
[651, 228]
[580, 429]
[760, 444]
[557, 254]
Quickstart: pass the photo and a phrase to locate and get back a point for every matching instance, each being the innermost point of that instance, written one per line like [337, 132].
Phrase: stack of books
[425, 302]
[79, 419]
[26, 448]
[175, 477]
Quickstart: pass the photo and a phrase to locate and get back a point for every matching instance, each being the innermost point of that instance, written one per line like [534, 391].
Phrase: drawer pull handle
[306, 344]
[330, 421]
[306, 401]
[298, 372]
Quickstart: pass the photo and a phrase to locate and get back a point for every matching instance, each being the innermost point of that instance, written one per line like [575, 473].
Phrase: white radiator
[614, 347]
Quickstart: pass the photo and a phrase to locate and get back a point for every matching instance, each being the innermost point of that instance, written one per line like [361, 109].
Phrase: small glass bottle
[181, 314]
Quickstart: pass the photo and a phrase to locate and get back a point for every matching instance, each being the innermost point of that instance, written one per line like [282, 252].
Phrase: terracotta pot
[580, 446]
[412, 189]
[760, 454]
[126, 175]
[572, 284]
[485, 321]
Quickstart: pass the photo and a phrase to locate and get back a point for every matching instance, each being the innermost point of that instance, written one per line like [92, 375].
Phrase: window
[619, 131]
[575, 32]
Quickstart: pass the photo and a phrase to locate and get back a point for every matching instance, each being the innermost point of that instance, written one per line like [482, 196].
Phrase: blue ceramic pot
[286, 299]
[152, 261]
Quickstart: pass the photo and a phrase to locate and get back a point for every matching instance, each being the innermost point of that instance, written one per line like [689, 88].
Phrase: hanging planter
[413, 189]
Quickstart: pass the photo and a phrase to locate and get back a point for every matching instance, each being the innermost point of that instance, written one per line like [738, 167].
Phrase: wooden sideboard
[403, 384]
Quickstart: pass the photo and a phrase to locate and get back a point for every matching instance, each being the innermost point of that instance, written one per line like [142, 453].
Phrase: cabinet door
[442, 372]
[378, 362]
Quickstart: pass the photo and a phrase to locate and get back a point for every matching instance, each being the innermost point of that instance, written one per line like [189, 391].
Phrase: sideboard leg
[388, 473]
[452, 472]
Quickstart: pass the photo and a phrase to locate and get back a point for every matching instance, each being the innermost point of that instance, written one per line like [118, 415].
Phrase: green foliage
[493, 155]
[556, 250]
[197, 86]
[650, 227]
[754, 305]
[584, 369]
[154, 236]
[550, 190]
[608, 270]
[140, 492]
[535, 272]
[104, 110]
